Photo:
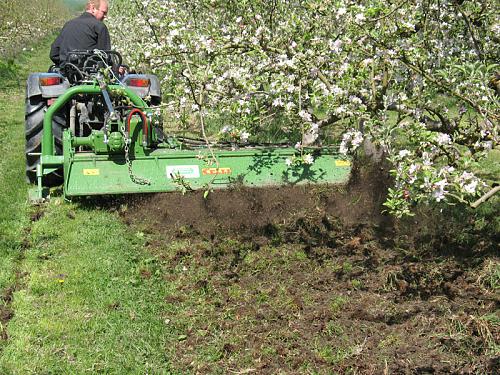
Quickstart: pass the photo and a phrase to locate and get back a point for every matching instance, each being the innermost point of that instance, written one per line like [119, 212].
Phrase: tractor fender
[33, 86]
[153, 91]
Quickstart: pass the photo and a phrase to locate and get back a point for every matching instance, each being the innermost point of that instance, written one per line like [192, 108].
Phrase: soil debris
[314, 279]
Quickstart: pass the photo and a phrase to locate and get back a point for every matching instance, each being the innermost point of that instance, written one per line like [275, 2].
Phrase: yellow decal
[210, 171]
[342, 163]
[91, 172]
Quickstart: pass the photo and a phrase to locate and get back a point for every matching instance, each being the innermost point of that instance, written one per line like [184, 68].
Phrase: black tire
[36, 106]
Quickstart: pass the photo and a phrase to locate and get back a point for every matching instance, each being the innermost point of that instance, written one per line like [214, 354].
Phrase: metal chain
[135, 179]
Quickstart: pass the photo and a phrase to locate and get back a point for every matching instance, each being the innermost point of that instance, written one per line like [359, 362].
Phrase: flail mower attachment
[111, 145]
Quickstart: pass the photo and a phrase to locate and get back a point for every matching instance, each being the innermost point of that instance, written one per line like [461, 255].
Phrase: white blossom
[341, 11]
[308, 159]
[274, 74]
[336, 90]
[340, 109]
[355, 100]
[439, 191]
[468, 182]
[278, 102]
[446, 170]
[350, 141]
[413, 168]
[335, 45]
[471, 186]
[404, 153]
[443, 139]
[367, 62]
[244, 136]
[360, 17]
[426, 159]
[304, 115]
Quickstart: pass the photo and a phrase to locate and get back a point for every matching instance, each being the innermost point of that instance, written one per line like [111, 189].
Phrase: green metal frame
[101, 170]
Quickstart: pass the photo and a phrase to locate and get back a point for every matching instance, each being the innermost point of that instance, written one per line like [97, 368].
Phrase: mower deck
[163, 170]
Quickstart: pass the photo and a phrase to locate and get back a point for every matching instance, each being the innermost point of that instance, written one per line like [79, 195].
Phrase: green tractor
[96, 134]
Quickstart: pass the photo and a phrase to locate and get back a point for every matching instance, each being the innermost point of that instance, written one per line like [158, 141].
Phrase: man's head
[98, 8]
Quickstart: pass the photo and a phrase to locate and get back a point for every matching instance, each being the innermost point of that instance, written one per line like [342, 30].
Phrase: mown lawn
[75, 298]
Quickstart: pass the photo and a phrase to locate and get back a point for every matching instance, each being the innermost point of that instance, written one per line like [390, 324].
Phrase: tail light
[50, 81]
[139, 82]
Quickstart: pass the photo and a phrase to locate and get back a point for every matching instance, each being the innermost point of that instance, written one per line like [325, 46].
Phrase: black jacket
[82, 33]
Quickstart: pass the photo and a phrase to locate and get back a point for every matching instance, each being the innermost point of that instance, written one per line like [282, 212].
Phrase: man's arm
[55, 50]
[103, 38]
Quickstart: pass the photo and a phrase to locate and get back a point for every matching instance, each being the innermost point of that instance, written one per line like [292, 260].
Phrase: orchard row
[23, 23]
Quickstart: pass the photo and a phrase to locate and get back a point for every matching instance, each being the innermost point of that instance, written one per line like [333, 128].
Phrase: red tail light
[139, 82]
[50, 81]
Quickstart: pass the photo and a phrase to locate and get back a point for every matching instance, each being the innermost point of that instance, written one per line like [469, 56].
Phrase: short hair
[95, 3]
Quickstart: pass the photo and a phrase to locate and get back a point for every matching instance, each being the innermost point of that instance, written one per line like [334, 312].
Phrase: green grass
[489, 168]
[87, 297]
[84, 298]
[13, 210]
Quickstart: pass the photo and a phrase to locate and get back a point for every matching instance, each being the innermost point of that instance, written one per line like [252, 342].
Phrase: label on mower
[342, 163]
[184, 171]
[211, 171]
[91, 172]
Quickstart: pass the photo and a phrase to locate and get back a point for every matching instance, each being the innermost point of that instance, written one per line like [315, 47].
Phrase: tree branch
[390, 13]
[140, 6]
[445, 87]
[471, 31]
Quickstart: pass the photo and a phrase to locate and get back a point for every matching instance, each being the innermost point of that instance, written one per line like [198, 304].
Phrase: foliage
[22, 23]
[76, 5]
[412, 76]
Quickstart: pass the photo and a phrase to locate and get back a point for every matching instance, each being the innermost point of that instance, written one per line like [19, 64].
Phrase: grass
[334, 356]
[8, 69]
[489, 168]
[489, 276]
[87, 297]
[337, 303]
[13, 210]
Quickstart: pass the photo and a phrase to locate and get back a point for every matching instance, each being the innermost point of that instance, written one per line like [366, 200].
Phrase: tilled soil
[317, 280]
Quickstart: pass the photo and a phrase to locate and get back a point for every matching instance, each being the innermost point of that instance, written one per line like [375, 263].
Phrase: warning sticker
[211, 171]
[342, 163]
[184, 171]
[91, 172]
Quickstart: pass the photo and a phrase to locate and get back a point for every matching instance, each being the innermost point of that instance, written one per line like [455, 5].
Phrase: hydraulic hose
[145, 131]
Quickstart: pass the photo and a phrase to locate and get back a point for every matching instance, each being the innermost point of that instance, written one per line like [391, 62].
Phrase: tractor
[96, 133]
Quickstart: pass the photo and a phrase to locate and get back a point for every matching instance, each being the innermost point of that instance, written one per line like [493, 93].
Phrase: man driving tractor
[86, 32]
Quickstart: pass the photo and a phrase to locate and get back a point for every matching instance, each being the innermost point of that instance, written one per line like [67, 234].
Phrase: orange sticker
[210, 171]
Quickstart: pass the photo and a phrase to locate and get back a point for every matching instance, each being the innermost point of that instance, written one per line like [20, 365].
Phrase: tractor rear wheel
[36, 106]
